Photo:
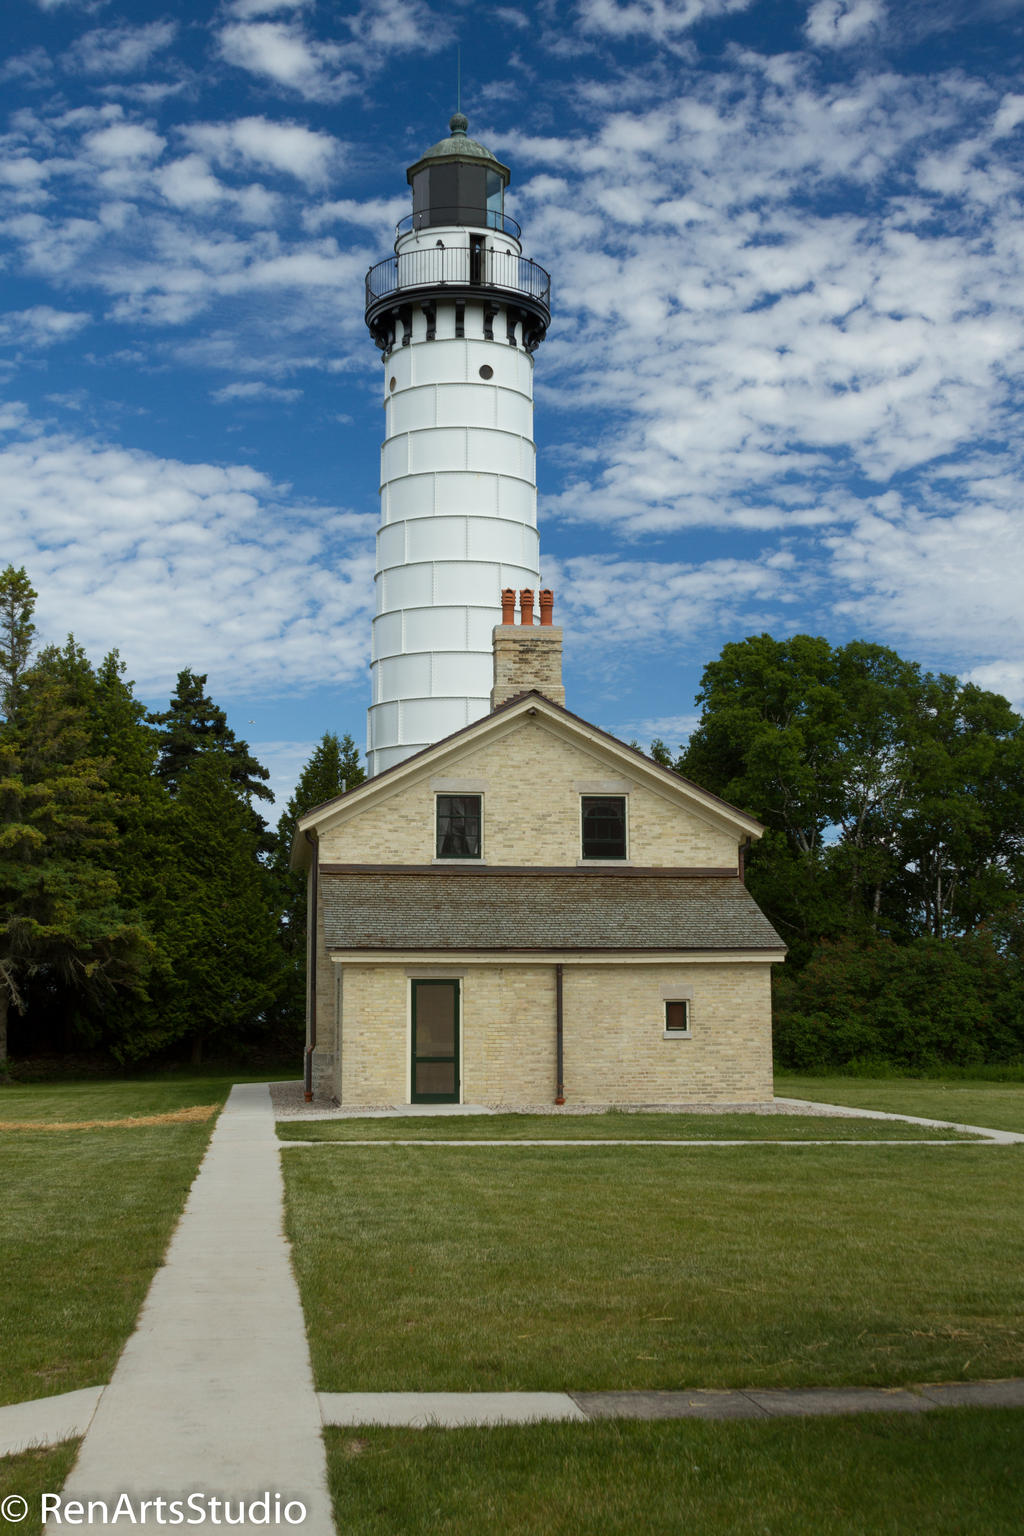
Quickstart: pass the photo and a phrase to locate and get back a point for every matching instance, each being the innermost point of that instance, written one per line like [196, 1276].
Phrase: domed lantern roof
[459, 146]
[459, 182]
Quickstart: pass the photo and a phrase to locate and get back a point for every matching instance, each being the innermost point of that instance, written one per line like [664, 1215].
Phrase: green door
[435, 1042]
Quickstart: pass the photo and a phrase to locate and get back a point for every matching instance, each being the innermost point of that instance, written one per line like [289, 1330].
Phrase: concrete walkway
[214, 1391]
[52, 1419]
[449, 1410]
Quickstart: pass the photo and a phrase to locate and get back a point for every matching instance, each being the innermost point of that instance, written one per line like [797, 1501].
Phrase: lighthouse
[457, 313]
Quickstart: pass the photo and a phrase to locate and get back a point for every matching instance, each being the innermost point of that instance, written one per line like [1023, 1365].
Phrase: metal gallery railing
[435, 267]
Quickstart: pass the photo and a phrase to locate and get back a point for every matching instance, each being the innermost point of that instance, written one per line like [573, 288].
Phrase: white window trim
[682, 994]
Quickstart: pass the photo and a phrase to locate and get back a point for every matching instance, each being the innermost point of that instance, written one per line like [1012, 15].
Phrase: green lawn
[612, 1126]
[998, 1105]
[948, 1473]
[457, 1268]
[85, 1219]
[29, 1476]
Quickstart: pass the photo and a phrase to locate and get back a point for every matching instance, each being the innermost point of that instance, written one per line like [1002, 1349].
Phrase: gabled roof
[523, 911]
[531, 705]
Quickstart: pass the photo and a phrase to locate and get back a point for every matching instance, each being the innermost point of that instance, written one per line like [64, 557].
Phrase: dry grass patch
[194, 1115]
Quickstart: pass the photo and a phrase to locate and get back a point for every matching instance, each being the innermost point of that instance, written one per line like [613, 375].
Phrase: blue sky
[781, 390]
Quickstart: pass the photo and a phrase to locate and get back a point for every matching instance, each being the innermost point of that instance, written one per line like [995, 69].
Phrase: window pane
[495, 189]
[435, 1018]
[458, 826]
[604, 826]
[435, 1077]
[677, 1015]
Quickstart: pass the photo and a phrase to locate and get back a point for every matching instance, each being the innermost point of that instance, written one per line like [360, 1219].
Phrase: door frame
[455, 983]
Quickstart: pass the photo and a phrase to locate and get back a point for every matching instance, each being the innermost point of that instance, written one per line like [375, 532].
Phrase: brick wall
[531, 779]
[527, 656]
[615, 1051]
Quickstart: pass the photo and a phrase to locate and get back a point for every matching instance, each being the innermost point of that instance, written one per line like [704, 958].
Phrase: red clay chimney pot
[508, 605]
[526, 606]
[547, 603]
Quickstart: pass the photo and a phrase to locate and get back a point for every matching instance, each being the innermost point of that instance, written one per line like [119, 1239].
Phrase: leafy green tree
[894, 799]
[17, 605]
[915, 1006]
[767, 741]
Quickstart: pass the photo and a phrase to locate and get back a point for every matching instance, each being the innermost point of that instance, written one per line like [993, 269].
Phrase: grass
[85, 1219]
[999, 1105]
[30, 1475]
[445, 1268]
[113, 1099]
[613, 1126]
[948, 1473]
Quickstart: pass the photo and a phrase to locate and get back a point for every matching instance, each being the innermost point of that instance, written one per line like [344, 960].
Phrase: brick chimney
[527, 655]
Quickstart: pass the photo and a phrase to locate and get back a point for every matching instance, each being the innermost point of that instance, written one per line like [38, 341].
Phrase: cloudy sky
[781, 390]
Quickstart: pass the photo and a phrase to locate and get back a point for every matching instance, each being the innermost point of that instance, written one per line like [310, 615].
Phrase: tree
[67, 944]
[894, 799]
[332, 769]
[220, 922]
[192, 725]
[17, 604]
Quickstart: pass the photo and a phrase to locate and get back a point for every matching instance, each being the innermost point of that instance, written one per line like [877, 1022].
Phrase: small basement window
[458, 826]
[677, 1016]
[604, 826]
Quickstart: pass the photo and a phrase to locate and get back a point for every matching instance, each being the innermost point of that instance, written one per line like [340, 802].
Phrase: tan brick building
[532, 912]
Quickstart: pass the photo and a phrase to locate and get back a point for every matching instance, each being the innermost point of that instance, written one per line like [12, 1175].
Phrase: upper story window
[604, 826]
[458, 826]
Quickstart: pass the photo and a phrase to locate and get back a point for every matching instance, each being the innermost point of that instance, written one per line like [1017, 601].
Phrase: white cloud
[124, 142]
[948, 582]
[611, 603]
[1010, 114]
[189, 183]
[41, 325]
[254, 389]
[288, 54]
[286, 147]
[380, 214]
[244, 10]
[840, 23]
[281, 52]
[119, 50]
[184, 564]
[659, 19]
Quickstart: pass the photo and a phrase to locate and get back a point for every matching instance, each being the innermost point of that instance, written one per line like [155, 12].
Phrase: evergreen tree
[67, 945]
[220, 924]
[17, 604]
[333, 768]
[193, 725]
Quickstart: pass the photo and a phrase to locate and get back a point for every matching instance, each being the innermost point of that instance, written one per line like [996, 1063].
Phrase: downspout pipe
[314, 944]
[559, 1053]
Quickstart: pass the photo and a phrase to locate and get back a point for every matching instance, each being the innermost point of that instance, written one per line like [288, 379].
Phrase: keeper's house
[530, 912]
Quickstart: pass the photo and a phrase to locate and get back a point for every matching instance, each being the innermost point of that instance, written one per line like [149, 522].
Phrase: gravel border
[289, 1103]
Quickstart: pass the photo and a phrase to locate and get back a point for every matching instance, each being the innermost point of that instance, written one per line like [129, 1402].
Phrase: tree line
[893, 860]
[147, 910]
[146, 907]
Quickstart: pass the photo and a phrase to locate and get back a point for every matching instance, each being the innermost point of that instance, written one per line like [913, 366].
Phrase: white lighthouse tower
[457, 312]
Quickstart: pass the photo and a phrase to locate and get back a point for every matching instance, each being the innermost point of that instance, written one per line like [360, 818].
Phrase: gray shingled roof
[471, 910]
